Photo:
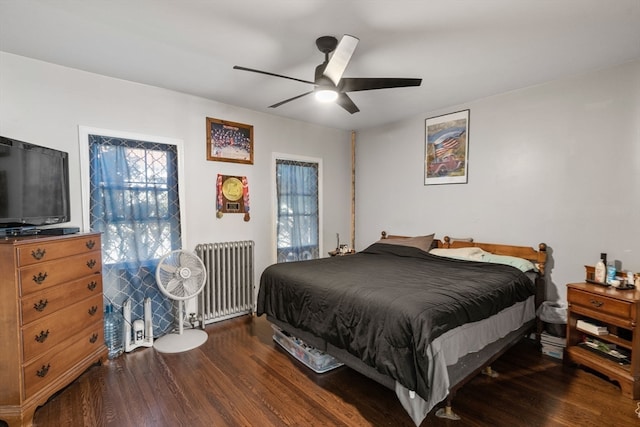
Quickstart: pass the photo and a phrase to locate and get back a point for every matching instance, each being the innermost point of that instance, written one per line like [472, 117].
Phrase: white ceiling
[462, 49]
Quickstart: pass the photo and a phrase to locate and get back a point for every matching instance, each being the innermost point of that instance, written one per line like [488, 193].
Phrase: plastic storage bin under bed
[313, 358]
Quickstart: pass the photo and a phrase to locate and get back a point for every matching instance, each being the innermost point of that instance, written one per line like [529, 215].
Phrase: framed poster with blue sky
[446, 158]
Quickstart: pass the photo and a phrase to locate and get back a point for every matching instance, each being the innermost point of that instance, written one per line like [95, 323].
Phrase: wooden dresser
[51, 321]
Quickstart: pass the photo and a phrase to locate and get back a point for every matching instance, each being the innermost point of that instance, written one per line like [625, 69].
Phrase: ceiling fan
[328, 81]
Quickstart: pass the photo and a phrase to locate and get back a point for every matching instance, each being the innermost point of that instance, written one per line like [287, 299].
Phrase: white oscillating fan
[181, 275]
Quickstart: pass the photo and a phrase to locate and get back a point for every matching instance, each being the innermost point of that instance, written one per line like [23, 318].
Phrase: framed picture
[229, 141]
[232, 195]
[446, 159]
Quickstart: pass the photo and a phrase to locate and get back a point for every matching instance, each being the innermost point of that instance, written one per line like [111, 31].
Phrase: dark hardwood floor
[240, 377]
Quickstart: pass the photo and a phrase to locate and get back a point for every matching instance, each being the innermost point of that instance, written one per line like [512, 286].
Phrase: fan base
[177, 343]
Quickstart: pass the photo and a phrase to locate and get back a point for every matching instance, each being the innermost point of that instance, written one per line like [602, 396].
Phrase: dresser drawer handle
[42, 372]
[596, 303]
[38, 253]
[92, 286]
[93, 338]
[90, 244]
[40, 305]
[91, 263]
[93, 310]
[42, 337]
[40, 278]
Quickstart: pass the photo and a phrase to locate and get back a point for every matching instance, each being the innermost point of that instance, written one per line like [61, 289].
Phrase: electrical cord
[637, 411]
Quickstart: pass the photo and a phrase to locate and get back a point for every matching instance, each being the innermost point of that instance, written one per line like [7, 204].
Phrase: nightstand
[616, 312]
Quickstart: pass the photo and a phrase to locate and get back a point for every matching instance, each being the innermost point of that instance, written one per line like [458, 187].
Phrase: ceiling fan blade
[345, 102]
[237, 67]
[356, 84]
[340, 58]
[290, 99]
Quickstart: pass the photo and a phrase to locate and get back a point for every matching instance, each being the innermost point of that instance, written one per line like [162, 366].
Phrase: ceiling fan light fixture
[326, 95]
[329, 84]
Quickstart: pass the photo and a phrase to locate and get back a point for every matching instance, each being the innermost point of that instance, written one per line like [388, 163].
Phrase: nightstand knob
[596, 303]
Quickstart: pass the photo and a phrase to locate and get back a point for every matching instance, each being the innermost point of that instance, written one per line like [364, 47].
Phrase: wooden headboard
[538, 257]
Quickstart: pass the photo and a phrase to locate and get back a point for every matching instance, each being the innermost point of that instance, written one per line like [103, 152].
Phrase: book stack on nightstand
[551, 345]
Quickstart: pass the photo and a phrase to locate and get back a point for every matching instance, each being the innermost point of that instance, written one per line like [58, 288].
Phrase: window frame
[83, 140]
[274, 200]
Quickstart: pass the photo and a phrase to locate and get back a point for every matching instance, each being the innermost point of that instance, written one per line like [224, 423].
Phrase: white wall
[44, 104]
[557, 163]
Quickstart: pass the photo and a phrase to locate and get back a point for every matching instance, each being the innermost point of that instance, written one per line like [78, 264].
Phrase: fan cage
[181, 275]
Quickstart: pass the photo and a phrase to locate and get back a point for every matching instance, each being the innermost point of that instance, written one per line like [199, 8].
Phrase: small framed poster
[229, 141]
[447, 149]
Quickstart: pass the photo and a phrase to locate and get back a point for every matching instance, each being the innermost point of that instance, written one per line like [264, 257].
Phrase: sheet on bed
[385, 305]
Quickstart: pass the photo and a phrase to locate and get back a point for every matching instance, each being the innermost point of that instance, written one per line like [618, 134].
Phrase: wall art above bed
[446, 158]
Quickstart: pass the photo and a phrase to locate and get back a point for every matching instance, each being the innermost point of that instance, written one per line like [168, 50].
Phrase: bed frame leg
[490, 372]
[447, 413]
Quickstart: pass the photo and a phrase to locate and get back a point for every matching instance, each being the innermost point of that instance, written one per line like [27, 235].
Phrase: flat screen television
[34, 186]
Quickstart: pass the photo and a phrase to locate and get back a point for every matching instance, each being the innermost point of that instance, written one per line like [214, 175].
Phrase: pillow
[519, 263]
[468, 254]
[420, 242]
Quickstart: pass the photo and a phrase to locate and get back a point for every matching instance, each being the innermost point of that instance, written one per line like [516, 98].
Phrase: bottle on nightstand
[600, 270]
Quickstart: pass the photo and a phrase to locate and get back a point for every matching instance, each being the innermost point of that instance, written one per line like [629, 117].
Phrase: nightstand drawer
[600, 304]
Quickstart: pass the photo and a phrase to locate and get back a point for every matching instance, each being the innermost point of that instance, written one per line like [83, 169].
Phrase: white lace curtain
[134, 203]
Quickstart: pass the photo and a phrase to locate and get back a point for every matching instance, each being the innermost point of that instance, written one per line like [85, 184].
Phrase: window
[298, 210]
[134, 198]
[134, 202]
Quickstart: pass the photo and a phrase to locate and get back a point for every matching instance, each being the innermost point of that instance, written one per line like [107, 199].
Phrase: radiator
[228, 291]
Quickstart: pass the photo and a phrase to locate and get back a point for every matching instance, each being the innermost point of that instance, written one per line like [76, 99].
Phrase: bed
[419, 315]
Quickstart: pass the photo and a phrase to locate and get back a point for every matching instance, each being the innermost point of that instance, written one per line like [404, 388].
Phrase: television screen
[34, 185]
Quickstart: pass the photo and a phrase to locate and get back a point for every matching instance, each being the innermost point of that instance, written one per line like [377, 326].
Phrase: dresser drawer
[50, 331]
[44, 275]
[42, 251]
[37, 305]
[50, 366]
[600, 304]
